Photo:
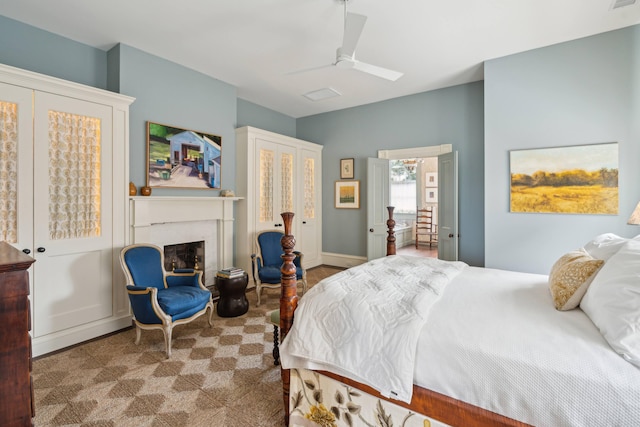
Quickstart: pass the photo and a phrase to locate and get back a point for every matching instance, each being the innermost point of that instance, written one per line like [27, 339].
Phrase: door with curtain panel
[65, 169]
[73, 212]
[275, 183]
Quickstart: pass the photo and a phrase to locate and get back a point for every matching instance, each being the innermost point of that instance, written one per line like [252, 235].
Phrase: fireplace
[185, 255]
[166, 221]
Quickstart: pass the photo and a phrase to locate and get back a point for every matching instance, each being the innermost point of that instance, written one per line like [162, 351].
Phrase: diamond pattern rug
[221, 376]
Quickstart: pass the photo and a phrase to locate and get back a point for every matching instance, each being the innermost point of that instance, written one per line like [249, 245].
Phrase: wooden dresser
[16, 388]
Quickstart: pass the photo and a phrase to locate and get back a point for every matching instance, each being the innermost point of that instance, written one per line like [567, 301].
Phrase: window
[403, 185]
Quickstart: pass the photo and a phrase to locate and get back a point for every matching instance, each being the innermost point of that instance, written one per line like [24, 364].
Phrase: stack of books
[230, 273]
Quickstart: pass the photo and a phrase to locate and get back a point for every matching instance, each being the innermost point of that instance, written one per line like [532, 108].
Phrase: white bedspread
[364, 322]
[495, 340]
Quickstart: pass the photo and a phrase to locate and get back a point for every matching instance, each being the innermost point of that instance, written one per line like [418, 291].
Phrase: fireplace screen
[185, 255]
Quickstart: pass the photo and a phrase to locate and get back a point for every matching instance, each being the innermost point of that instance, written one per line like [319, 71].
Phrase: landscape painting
[347, 194]
[577, 179]
[182, 158]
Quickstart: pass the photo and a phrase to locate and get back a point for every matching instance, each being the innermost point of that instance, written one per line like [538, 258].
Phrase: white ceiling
[254, 45]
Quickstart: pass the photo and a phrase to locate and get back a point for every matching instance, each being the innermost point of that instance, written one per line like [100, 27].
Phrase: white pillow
[604, 246]
[612, 301]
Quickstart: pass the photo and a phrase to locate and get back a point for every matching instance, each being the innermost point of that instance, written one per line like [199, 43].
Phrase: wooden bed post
[391, 238]
[288, 298]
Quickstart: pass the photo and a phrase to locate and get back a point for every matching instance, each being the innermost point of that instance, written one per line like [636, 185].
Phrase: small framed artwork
[431, 179]
[347, 194]
[346, 169]
[431, 195]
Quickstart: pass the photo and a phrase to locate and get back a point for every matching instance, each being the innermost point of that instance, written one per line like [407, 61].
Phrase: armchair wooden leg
[138, 334]
[210, 308]
[258, 291]
[167, 340]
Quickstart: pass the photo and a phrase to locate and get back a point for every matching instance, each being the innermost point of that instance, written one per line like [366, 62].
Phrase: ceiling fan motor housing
[343, 60]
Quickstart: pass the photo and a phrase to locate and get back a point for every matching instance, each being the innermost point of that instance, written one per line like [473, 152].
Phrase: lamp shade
[634, 219]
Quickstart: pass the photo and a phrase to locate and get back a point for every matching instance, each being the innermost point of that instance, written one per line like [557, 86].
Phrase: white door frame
[418, 152]
[408, 153]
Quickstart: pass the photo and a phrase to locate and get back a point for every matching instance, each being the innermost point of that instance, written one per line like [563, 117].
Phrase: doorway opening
[414, 194]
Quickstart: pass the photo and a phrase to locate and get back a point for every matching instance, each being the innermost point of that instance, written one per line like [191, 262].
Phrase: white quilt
[364, 322]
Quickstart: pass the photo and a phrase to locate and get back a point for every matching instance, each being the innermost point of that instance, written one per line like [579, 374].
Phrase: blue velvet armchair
[161, 299]
[266, 263]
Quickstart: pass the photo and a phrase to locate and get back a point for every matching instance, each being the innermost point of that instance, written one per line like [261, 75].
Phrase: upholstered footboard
[317, 400]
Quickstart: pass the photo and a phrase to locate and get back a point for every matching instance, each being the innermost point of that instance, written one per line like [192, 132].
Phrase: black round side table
[233, 301]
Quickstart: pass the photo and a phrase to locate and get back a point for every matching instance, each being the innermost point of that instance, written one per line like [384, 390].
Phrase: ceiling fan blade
[353, 26]
[377, 71]
[304, 70]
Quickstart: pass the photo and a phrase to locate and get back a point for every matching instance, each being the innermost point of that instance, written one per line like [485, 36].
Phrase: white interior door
[377, 202]
[448, 206]
[73, 272]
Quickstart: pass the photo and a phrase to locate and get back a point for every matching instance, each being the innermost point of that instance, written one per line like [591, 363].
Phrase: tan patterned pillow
[570, 277]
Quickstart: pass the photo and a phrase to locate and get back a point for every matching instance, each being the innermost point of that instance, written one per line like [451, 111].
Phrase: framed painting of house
[580, 179]
[182, 158]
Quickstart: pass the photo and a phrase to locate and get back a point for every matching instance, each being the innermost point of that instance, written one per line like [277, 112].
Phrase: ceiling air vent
[622, 3]
[320, 94]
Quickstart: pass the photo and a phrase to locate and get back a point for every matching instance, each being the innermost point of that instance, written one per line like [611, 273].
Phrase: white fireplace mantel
[147, 212]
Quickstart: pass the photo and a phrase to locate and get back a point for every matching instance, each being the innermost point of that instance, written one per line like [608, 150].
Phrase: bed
[493, 347]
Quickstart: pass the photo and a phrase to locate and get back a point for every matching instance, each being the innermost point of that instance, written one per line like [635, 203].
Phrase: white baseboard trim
[342, 260]
[68, 337]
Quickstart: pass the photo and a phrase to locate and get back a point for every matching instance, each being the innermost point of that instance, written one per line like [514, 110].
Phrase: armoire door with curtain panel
[275, 183]
[16, 168]
[73, 199]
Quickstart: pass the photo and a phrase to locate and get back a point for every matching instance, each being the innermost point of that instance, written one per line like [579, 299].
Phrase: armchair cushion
[271, 274]
[182, 302]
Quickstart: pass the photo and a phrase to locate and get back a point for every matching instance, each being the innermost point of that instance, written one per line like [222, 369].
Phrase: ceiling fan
[345, 54]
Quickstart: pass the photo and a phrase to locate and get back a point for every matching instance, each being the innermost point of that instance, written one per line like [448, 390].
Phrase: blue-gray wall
[447, 116]
[171, 94]
[250, 114]
[581, 92]
[32, 49]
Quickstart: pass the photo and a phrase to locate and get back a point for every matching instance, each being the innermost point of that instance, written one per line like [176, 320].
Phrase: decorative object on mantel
[132, 189]
[346, 169]
[182, 158]
[145, 191]
[634, 219]
[347, 194]
[227, 193]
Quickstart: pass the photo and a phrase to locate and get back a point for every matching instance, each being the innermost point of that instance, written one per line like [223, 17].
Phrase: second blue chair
[266, 263]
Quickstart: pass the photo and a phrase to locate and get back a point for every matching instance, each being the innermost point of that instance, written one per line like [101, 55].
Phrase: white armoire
[275, 174]
[64, 150]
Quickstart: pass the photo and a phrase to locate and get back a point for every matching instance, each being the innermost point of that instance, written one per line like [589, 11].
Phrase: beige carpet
[221, 376]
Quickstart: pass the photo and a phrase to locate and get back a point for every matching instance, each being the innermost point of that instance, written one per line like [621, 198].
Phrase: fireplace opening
[185, 255]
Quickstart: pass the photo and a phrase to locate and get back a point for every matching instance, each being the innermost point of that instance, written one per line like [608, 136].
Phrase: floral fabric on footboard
[316, 400]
